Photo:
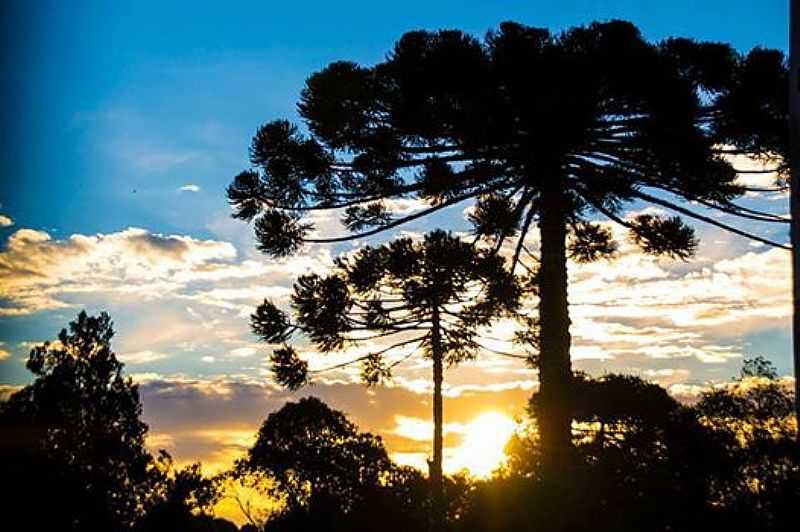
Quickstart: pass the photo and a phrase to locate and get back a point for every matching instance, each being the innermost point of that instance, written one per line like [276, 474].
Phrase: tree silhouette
[642, 462]
[755, 413]
[647, 462]
[792, 155]
[315, 453]
[182, 499]
[73, 437]
[538, 129]
[331, 476]
[433, 295]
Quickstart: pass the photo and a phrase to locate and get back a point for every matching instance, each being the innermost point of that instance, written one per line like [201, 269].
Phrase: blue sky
[109, 110]
[103, 98]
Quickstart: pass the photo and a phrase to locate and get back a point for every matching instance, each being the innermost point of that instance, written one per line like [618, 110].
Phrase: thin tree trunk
[794, 161]
[438, 517]
[555, 372]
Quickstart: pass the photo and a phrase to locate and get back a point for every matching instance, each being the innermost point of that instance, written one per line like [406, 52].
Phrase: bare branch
[706, 219]
[364, 357]
[395, 223]
[521, 240]
[728, 207]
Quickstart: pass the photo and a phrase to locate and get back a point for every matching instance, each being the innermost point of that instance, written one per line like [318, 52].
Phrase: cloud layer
[181, 305]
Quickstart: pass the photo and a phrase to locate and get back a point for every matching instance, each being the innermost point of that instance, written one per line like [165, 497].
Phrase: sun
[482, 450]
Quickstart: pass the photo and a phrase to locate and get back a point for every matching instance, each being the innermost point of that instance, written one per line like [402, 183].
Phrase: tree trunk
[438, 509]
[555, 372]
[794, 161]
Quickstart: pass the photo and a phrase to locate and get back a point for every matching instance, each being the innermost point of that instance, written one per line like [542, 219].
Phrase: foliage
[756, 414]
[313, 452]
[430, 297]
[393, 291]
[331, 476]
[181, 500]
[646, 462]
[74, 438]
[595, 108]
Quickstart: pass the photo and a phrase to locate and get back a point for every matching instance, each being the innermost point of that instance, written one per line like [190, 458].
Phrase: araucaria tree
[540, 130]
[428, 298]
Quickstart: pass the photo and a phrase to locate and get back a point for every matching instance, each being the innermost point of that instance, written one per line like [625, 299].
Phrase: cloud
[189, 188]
[5, 221]
[4, 353]
[36, 271]
[141, 357]
[242, 352]
[756, 173]
[681, 324]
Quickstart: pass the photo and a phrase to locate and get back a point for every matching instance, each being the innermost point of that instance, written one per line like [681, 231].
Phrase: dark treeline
[73, 456]
[73, 453]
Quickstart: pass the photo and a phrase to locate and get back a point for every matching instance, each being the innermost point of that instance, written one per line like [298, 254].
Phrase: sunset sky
[124, 125]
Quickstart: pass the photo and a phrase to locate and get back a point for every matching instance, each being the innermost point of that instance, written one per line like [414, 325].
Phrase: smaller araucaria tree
[405, 298]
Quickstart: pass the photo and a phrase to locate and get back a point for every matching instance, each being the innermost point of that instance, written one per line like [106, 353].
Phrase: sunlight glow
[482, 451]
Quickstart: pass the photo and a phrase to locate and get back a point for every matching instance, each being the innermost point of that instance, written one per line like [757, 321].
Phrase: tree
[755, 414]
[434, 295]
[74, 438]
[182, 500]
[647, 462]
[331, 476]
[642, 462]
[314, 453]
[536, 128]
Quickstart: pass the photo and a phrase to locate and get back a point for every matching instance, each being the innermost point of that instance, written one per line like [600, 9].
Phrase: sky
[124, 122]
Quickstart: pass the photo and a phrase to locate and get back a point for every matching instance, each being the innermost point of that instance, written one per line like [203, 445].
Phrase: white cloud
[141, 357]
[5, 221]
[242, 352]
[189, 188]
[755, 173]
[36, 271]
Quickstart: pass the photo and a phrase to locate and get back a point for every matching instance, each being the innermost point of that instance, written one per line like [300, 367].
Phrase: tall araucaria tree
[539, 130]
[408, 298]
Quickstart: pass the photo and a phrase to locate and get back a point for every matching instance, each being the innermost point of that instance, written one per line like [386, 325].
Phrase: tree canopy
[644, 461]
[315, 452]
[447, 117]
[74, 436]
[439, 290]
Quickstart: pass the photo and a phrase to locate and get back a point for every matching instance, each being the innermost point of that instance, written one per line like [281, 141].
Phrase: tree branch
[364, 357]
[395, 223]
[706, 219]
